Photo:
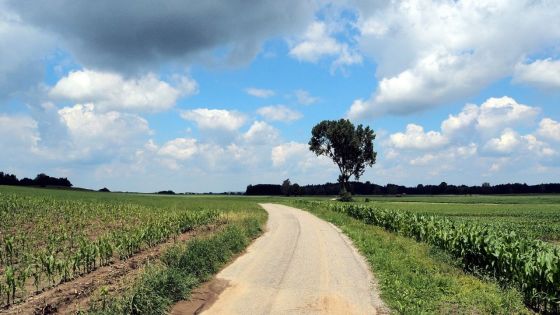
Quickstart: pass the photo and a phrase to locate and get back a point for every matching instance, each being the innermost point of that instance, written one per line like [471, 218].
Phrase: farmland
[49, 237]
[532, 216]
[431, 254]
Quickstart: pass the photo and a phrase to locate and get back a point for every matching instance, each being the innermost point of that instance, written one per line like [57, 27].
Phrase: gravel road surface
[301, 265]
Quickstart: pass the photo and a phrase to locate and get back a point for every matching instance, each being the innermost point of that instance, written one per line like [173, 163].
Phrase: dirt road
[301, 265]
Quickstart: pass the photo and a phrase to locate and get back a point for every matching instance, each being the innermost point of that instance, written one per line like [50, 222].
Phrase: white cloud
[550, 129]
[429, 53]
[304, 98]
[505, 144]
[179, 148]
[215, 119]
[415, 138]
[491, 116]
[283, 152]
[110, 91]
[317, 42]
[295, 159]
[260, 93]
[103, 133]
[504, 111]
[487, 140]
[540, 148]
[467, 117]
[18, 132]
[543, 73]
[279, 113]
[423, 160]
[261, 133]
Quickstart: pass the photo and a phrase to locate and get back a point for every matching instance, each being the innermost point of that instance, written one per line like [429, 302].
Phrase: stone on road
[301, 265]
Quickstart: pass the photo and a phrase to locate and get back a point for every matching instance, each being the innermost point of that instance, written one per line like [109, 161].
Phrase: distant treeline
[39, 180]
[368, 188]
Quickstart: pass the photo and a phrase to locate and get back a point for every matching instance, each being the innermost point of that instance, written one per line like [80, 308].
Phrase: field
[532, 216]
[50, 237]
[141, 253]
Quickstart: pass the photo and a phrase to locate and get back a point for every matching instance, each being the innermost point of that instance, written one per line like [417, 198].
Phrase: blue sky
[197, 97]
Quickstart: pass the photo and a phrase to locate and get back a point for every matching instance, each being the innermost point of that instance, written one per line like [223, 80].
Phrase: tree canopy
[350, 147]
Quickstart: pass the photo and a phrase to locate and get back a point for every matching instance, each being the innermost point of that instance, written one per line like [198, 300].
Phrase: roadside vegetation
[514, 261]
[182, 268]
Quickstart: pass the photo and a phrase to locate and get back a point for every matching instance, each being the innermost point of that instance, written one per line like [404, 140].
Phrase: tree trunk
[343, 179]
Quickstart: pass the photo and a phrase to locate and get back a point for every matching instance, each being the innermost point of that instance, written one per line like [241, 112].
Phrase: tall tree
[350, 147]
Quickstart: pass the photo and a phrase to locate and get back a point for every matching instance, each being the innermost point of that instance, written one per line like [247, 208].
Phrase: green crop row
[531, 265]
[50, 251]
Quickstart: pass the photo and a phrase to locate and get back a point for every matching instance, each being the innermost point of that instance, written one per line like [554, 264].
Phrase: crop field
[49, 237]
[531, 216]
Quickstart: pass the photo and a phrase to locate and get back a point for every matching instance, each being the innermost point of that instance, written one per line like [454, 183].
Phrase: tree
[350, 148]
[295, 190]
[286, 187]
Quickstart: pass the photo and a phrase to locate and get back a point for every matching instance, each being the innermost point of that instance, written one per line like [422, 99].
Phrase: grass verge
[415, 278]
[182, 268]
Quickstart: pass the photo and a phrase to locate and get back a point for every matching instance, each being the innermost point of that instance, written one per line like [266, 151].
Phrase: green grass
[415, 278]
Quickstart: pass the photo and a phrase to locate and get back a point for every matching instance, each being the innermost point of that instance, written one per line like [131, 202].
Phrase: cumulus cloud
[260, 93]
[304, 98]
[543, 73]
[429, 53]
[261, 133]
[179, 148]
[550, 129]
[317, 42]
[492, 115]
[415, 138]
[137, 34]
[279, 113]
[296, 159]
[215, 119]
[110, 91]
[506, 143]
[281, 153]
[95, 133]
[488, 139]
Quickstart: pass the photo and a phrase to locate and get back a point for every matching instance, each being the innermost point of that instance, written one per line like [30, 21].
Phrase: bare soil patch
[201, 298]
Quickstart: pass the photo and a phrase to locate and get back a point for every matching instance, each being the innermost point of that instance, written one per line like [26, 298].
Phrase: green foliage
[532, 266]
[350, 147]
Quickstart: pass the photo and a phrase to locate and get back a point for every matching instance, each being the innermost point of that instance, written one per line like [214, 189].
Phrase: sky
[198, 96]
